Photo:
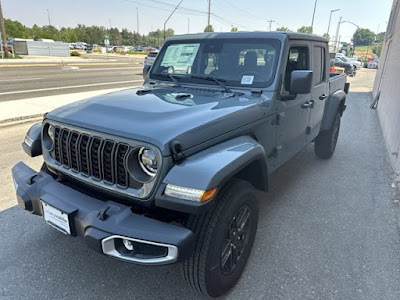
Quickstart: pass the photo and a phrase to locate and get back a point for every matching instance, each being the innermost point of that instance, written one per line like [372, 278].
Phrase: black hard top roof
[251, 34]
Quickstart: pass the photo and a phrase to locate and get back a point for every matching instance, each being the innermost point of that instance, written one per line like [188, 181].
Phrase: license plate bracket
[56, 218]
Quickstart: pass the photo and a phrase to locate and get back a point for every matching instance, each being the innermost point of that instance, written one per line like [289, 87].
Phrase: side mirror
[146, 69]
[301, 82]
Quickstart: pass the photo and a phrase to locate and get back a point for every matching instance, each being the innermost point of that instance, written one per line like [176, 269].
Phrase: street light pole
[165, 23]
[337, 33]
[338, 30]
[137, 19]
[312, 22]
[330, 17]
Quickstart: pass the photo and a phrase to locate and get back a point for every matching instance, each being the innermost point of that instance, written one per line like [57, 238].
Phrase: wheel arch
[337, 102]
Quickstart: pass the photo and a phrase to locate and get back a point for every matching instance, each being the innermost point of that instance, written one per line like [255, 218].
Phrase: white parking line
[69, 87]
[19, 79]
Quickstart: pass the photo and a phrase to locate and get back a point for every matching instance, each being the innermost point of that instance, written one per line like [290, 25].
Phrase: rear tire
[224, 239]
[326, 141]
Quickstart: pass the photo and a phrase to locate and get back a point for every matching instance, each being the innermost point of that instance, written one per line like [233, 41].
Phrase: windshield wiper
[210, 78]
[171, 76]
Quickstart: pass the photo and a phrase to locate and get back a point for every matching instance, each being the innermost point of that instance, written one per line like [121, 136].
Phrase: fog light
[128, 244]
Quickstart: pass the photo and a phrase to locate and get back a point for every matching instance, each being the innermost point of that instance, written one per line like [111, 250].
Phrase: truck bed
[338, 82]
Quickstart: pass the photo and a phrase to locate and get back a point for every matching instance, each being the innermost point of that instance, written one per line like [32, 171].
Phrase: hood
[162, 115]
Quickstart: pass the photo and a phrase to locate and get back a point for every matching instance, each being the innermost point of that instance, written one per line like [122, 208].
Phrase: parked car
[357, 62]
[168, 172]
[89, 48]
[349, 68]
[148, 61]
[373, 64]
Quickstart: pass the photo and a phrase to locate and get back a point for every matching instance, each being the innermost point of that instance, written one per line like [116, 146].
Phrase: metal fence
[41, 48]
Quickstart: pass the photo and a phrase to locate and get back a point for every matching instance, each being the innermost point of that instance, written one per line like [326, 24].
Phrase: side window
[298, 60]
[319, 73]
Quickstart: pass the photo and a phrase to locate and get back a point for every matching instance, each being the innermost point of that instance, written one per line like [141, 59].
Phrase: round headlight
[48, 136]
[148, 161]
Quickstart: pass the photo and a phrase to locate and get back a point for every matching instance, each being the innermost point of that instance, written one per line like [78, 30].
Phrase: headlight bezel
[48, 133]
[136, 168]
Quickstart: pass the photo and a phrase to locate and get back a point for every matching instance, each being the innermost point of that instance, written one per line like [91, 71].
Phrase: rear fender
[335, 103]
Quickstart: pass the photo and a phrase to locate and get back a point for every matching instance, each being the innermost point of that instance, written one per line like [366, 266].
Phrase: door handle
[308, 104]
[323, 97]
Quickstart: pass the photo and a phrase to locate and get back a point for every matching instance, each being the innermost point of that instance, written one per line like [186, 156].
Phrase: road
[327, 230]
[44, 79]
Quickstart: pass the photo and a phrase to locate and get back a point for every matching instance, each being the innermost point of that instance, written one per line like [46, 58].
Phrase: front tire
[325, 142]
[224, 239]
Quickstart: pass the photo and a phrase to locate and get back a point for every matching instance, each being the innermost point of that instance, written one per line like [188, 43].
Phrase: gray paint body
[220, 133]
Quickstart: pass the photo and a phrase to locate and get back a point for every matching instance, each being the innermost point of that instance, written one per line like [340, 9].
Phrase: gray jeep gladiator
[167, 172]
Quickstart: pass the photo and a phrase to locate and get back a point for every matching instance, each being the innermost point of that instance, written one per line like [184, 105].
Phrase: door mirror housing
[146, 70]
[301, 82]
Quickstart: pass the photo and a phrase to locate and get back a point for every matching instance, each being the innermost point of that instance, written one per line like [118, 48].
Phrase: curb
[20, 120]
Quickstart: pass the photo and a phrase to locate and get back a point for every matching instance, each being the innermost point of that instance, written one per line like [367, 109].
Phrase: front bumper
[103, 224]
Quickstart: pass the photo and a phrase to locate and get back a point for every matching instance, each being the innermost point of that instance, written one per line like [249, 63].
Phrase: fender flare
[213, 167]
[336, 102]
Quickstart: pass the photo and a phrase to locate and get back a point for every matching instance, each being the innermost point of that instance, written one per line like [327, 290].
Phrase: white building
[387, 87]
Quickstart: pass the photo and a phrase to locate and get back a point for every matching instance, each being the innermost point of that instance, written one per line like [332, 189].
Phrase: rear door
[320, 89]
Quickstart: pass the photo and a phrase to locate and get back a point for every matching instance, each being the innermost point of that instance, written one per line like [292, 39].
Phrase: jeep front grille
[95, 157]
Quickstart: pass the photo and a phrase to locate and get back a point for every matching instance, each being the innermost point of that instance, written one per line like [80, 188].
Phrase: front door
[293, 115]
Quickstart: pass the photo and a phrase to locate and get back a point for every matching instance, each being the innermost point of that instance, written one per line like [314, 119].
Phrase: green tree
[234, 29]
[209, 28]
[380, 37]
[305, 29]
[325, 35]
[16, 29]
[282, 29]
[363, 37]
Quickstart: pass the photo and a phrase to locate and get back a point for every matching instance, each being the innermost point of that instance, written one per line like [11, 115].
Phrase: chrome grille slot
[121, 172]
[94, 154]
[83, 145]
[107, 156]
[73, 146]
[57, 145]
[64, 151]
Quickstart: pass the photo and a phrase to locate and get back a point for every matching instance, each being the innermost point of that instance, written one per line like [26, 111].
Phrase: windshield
[236, 62]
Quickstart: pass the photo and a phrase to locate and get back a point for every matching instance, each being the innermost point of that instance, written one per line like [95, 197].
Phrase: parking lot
[327, 230]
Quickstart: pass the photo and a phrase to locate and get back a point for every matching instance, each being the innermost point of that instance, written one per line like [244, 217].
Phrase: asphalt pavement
[26, 79]
[328, 229]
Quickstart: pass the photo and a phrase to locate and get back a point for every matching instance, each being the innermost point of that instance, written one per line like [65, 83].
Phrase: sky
[246, 15]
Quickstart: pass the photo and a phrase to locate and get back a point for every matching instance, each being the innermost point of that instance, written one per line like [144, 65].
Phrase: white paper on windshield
[180, 55]
[247, 79]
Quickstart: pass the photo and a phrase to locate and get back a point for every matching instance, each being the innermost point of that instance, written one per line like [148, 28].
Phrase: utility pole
[110, 22]
[3, 32]
[209, 13]
[188, 25]
[165, 23]
[313, 15]
[270, 24]
[137, 17]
